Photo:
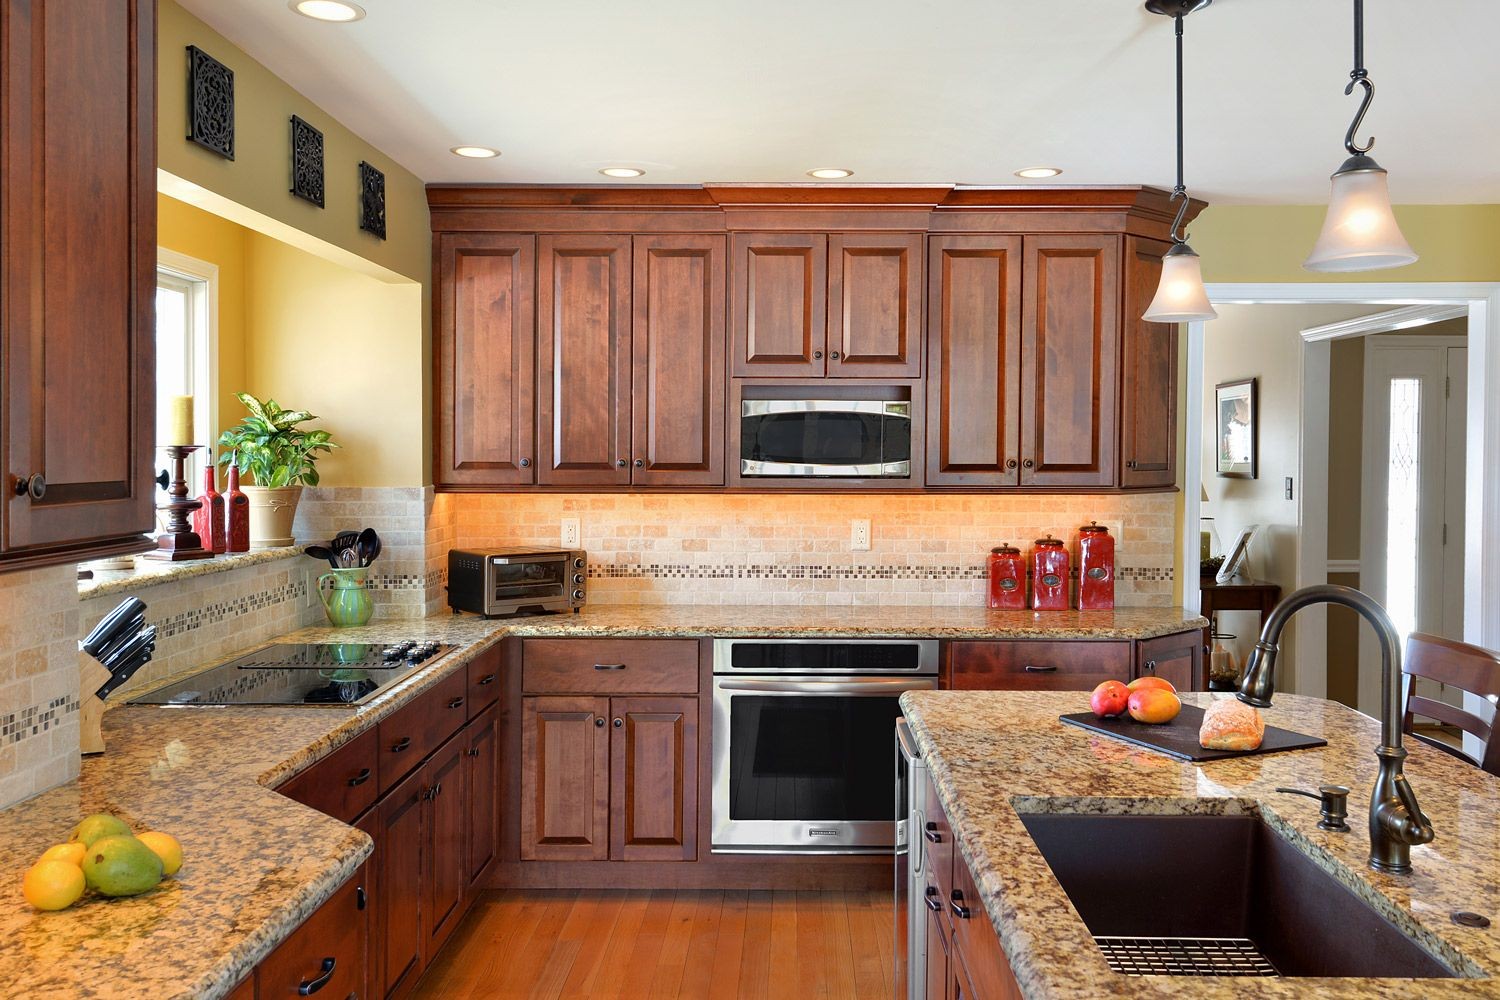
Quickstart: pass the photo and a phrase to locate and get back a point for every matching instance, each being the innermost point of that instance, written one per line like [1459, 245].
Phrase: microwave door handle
[883, 685]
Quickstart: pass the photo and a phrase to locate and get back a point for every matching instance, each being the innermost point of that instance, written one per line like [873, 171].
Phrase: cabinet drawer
[1038, 666]
[937, 842]
[484, 680]
[419, 728]
[331, 943]
[609, 666]
[975, 941]
[343, 784]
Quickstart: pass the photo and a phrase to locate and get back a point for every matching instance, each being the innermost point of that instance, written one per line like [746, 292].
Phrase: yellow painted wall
[327, 339]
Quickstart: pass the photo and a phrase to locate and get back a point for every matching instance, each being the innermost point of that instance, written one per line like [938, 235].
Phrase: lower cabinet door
[654, 779]
[482, 784]
[938, 980]
[369, 823]
[326, 953]
[1175, 658]
[564, 779]
[401, 850]
[446, 880]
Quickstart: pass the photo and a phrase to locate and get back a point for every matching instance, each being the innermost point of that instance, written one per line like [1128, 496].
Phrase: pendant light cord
[1180, 191]
[1359, 76]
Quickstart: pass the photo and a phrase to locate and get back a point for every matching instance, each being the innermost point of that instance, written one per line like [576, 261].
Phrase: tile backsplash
[38, 681]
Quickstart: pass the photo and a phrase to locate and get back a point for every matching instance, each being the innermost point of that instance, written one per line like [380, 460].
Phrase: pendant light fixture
[1360, 231]
[1180, 297]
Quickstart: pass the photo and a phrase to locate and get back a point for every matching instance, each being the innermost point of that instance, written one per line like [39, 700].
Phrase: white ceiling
[960, 91]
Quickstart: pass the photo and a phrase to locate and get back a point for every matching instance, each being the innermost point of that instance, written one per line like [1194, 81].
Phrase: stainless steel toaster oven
[516, 580]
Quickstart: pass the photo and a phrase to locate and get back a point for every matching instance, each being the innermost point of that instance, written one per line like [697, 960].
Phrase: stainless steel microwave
[515, 580]
[827, 438]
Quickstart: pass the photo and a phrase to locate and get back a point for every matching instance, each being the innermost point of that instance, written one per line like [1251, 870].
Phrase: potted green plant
[281, 457]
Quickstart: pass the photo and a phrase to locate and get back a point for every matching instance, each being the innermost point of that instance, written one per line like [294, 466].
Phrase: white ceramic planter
[271, 512]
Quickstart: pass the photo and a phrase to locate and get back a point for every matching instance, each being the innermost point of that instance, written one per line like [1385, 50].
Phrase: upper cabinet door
[1148, 383]
[677, 347]
[583, 309]
[974, 361]
[780, 309]
[77, 282]
[1070, 342]
[875, 305]
[486, 359]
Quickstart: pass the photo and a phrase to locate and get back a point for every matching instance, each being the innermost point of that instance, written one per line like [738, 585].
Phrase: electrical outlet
[570, 532]
[859, 535]
[1289, 487]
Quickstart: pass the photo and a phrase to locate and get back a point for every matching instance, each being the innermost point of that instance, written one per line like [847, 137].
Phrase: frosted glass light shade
[1180, 296]
[1359, 231]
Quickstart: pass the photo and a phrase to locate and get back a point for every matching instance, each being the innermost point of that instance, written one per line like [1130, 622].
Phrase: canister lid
[1049, 542]
[1006, 549]
[1093, 528]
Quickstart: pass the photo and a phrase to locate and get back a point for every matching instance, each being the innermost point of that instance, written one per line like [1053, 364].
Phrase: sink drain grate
[1185, 956]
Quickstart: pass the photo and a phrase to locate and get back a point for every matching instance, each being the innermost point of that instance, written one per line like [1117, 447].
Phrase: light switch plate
[571, 532]
[859, 535]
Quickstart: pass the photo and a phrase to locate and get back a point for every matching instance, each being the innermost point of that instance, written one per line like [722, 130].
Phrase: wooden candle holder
[179, 542]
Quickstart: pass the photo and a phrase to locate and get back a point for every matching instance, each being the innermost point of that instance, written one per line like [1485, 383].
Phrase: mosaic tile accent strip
[222, 611]
[34, 720]
[774, 571]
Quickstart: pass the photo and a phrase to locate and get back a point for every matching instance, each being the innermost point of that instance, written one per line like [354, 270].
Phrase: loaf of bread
[1230, 724]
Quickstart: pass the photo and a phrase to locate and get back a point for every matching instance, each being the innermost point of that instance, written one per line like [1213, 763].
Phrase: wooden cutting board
[1179, 738]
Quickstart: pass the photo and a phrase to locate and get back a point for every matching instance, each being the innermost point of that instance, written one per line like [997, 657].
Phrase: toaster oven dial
[578, 563]
[577, 595]
[577, 577]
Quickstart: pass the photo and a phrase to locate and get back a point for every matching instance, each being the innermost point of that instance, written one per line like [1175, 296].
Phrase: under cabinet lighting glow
[830, 173]
[474, 152]
[622, 172]
[340, 11]
[1035, 173]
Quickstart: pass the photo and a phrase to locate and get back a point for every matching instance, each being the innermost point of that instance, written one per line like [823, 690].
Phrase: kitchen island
[996, 756]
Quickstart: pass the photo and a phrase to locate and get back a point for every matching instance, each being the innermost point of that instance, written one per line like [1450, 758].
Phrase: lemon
[121, 866]
[53, 885]
[71, 852]
[99, 825]
[166, 847]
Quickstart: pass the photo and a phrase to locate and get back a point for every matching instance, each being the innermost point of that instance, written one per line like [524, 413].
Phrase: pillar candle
[180, 426]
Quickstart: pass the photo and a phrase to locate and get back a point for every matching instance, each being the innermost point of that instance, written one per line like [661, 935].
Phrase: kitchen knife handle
[110, 623]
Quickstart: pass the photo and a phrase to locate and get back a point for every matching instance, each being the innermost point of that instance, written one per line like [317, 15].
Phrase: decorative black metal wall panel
[307, 162]
[371, 199]
[210, 103]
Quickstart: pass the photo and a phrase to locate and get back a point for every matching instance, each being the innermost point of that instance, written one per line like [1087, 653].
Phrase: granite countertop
[995, 755]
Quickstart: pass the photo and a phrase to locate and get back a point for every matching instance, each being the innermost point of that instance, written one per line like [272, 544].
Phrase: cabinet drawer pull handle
[360, 778]
[456, 703]
[931, 834]
[609, 666]
[960, 911]
[472, 751]
[404, 742]
[1150, 666]
[310, 986]
[486, 679]
[933, 903]
[1030, 669]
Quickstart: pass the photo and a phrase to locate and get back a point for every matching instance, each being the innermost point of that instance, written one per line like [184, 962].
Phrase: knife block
[91, 676]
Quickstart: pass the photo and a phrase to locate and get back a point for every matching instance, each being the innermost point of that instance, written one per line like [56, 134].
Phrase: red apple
[1110, 698]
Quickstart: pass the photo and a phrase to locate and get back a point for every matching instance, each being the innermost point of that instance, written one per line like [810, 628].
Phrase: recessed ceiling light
[1036, 172]
[830, 173]
[328, 10]
[622, 172]
[474, 152]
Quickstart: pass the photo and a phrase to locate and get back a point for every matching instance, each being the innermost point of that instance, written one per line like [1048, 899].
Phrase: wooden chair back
[1459, 665]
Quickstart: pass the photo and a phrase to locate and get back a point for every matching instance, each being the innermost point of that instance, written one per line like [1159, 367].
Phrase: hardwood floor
[704, 945]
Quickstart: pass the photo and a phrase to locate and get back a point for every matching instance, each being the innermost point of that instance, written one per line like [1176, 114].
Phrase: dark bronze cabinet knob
[640, 463]
[619, 463]
[619, 723]
[834, 355]
[525, 463]
[599, 722]
[1010, 463]
[1028, 463]
[35, 486]
[818, 355]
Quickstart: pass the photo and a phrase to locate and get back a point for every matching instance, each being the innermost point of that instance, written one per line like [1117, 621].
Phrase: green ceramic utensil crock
[347, 601]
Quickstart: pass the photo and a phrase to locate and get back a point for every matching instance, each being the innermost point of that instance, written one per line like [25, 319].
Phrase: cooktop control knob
[390, 653]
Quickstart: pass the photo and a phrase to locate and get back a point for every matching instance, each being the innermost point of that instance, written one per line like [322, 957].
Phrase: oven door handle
[883, 685]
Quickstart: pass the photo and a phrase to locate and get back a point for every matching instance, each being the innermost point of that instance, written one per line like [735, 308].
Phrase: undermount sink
[1217, 895]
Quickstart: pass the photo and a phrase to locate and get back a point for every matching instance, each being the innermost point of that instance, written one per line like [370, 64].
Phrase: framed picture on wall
[1236, 427]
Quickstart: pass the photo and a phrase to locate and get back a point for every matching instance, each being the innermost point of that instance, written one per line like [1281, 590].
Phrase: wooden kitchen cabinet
[1148, 377]
[874, 305]
[482, 778]
[401, 837]
[1070, 344]
[1033, 665]
[653, 779]
[77, 279]
[1176, 658]
[327, 952]
[974, 361]
[564, 779]
[486, 359]
[779, 304]
[447, 870]
[583, 360]
[343, 784]
[677, 366]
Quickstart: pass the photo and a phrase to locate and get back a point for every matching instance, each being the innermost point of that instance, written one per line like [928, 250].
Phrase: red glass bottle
[236, 513]
[208, 519]
[1049, 575]
[1007, 572]
[1096, 568]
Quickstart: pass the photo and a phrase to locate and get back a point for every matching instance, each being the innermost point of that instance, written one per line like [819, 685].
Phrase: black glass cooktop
[321, 673]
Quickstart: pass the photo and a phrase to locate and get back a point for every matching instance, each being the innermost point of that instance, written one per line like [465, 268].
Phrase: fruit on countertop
[53, 885]
[165, 847]
[121, 866]
[1109, 699]
[1153, 705]
[72, 852]
[98, 825]
[1151, 681]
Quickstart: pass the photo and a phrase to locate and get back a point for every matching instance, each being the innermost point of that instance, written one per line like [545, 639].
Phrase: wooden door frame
[1482, 494]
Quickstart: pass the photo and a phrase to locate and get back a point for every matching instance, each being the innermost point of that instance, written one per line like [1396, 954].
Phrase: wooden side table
[1238, 594]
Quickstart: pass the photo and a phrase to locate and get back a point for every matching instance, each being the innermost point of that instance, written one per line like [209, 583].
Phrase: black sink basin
[1218, 895]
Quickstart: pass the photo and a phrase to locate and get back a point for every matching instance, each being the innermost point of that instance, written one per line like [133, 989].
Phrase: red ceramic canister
[236, 513]
[1049, 575]
[208, 519]
[1096, 568]
[1007, 577]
